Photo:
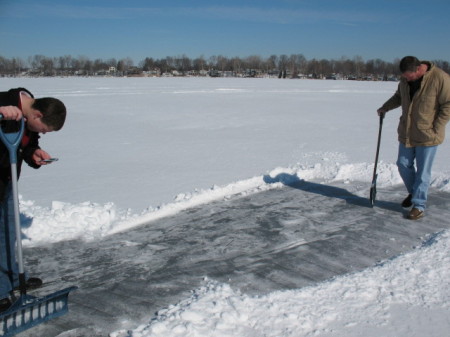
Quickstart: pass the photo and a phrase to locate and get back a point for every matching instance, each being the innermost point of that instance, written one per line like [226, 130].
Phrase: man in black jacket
[41, 115]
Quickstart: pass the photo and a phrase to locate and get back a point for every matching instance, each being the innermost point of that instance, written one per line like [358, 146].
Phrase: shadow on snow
[293, 181]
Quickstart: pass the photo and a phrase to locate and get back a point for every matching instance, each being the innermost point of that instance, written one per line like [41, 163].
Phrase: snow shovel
[373, 188]
[27, 311]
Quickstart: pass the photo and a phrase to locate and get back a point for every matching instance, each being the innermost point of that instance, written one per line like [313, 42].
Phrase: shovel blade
[29, 311]
[373, 191]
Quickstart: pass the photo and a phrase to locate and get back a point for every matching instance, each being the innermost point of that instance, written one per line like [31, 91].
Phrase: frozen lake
[140, 142]
[164, 181]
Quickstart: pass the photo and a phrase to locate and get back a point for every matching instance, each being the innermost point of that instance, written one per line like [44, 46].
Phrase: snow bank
[87, 220]
[65, 221]
[374, 302]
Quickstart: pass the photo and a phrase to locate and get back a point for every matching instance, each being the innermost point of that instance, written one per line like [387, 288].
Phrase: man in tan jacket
[424, 95]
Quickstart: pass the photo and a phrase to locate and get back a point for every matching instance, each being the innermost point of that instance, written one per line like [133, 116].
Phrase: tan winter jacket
[423, 119]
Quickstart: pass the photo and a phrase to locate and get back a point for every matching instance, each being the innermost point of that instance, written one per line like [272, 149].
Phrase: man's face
[36, 125]
[411, 76]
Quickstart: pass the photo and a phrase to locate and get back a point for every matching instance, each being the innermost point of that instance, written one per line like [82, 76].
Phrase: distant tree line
[283, 66]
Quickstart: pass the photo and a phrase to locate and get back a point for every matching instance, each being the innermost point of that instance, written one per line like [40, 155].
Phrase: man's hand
[39, 155]
[381, 111]
[11, 112]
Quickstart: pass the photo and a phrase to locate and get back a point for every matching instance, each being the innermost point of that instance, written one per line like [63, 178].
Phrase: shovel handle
[12, 140]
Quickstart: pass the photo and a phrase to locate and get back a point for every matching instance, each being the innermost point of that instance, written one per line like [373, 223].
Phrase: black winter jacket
[12, 97]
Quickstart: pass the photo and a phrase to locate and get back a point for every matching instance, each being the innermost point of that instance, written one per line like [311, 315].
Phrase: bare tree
[296, 64]
[222, 63]
[358, 66]
[199, 64]
[212, 62]
[17, 65]
[272, 62]
[236, 65]
[282, 65]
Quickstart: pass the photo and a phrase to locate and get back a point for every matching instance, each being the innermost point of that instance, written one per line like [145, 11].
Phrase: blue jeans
[416, 179]
[9, 270]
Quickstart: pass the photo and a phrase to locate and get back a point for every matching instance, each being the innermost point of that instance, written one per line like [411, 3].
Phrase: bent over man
[41, 115]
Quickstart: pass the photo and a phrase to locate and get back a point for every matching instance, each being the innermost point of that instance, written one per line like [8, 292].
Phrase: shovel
[373, 188]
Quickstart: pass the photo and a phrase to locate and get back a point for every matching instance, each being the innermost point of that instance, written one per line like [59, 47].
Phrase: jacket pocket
[425, 112]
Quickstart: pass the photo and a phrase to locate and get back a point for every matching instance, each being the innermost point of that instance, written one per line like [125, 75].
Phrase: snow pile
[64, 221]
[441, 181]
[88, 221]
[375, 302]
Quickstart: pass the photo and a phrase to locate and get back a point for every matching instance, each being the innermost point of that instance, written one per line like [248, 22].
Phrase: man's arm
[392, 103]
[28, 152]
[443, 98]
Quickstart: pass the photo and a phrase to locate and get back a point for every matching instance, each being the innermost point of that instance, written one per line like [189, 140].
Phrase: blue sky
[330, 29]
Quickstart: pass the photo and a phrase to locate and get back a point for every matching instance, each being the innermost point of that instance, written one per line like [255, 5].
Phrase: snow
[139, 149]
[397, 298]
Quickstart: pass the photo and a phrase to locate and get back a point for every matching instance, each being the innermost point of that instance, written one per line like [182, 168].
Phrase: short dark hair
[409, 63]
[53, 111]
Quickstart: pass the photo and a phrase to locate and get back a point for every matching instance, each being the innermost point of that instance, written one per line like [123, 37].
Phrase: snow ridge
[87, 220]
